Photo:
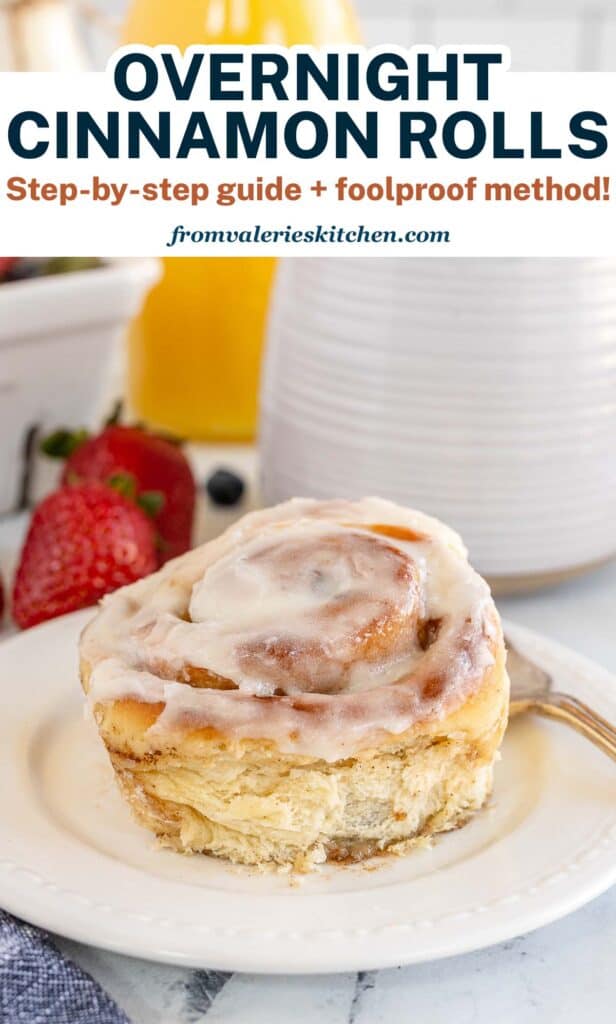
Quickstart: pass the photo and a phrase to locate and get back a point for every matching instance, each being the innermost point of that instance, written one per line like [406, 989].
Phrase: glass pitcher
[194, 354]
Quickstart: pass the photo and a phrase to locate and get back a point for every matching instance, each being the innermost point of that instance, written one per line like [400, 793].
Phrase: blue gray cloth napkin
[38, 985]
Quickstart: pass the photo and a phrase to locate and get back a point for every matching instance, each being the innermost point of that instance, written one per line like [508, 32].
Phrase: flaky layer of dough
[245, 801]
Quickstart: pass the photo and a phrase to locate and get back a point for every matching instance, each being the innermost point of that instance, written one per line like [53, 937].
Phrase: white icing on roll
[332, 624]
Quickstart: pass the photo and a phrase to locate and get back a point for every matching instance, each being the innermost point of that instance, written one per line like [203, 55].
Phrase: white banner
[266, 151]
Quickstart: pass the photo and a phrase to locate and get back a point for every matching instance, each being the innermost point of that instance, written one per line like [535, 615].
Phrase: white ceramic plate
[72, 860]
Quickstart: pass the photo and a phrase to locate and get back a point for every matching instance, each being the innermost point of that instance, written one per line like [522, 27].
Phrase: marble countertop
[564, 972]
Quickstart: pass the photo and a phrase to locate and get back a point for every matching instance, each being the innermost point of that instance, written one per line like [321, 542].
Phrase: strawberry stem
[115, 415]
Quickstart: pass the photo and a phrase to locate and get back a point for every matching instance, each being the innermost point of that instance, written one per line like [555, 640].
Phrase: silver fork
[531, 690]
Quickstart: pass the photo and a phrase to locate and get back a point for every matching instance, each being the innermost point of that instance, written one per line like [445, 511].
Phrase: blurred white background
[545, 35]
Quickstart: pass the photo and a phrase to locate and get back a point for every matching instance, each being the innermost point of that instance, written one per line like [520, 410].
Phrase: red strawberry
[83, 542]
[155, 465]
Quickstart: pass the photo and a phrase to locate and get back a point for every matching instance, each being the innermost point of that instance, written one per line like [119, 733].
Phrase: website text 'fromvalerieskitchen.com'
[319, 234]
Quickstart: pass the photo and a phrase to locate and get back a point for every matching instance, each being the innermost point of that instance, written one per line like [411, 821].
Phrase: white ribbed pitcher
[483, 392]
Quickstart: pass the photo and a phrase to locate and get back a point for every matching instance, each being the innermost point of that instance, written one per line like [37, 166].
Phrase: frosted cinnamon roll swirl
[324, 681]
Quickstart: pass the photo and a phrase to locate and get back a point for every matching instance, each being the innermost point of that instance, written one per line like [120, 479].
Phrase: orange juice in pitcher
[194, 353]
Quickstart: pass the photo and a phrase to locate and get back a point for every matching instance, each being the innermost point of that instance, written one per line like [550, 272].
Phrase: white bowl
[57, 334]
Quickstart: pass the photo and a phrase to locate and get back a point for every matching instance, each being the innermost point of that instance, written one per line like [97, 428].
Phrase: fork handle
[563, 708]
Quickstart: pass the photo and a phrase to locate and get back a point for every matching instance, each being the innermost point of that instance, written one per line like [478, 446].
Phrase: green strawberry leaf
[151, 502]
[125, 484]
[62, 443]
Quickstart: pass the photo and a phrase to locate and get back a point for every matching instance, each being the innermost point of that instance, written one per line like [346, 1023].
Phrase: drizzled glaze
[324, 626]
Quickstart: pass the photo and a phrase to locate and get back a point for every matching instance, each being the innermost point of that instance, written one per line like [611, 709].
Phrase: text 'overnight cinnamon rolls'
[325, 681]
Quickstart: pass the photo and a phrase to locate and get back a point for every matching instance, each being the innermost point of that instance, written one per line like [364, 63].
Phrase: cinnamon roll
[325, 681]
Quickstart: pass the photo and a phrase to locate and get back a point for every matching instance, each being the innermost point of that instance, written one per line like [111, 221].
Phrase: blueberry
[225, 487]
